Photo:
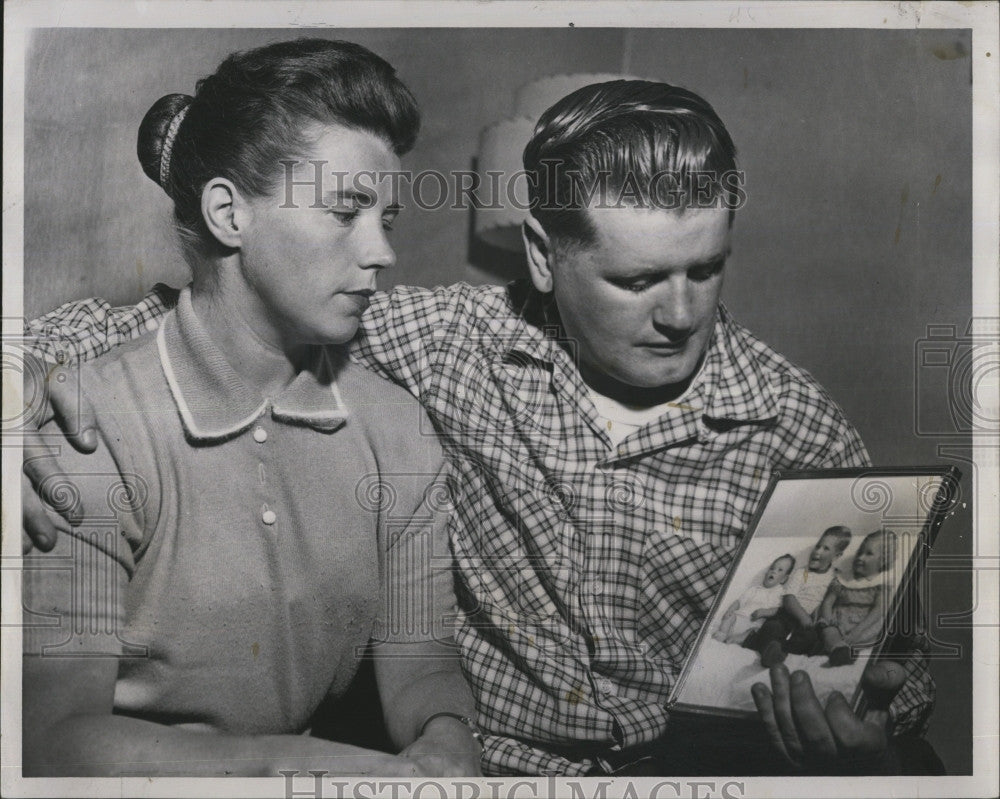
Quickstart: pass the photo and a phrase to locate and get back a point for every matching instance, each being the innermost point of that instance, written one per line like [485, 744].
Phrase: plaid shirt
[585, 570]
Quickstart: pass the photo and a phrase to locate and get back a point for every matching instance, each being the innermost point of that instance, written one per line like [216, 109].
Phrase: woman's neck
[233, 316]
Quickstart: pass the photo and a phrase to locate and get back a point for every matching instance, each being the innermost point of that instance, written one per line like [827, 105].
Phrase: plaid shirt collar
[214, 402]
[730, 387]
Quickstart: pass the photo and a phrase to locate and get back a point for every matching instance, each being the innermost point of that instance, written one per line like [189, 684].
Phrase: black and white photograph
[817, 586]
[460, 398]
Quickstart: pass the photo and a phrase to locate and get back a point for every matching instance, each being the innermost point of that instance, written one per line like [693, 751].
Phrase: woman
[261, 510]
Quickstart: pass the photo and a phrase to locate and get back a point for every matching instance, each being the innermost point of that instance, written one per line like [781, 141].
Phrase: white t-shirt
[619, 420]
[809, 587]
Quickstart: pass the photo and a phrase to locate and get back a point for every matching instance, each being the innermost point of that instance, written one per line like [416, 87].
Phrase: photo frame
[852, 543]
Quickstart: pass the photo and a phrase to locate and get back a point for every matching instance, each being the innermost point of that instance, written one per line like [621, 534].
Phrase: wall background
[855, 238]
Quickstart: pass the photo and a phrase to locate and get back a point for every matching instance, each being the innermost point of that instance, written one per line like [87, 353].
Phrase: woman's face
[313, 249]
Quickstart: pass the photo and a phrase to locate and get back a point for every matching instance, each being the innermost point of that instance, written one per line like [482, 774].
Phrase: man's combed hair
[257, 110]
[627, 142]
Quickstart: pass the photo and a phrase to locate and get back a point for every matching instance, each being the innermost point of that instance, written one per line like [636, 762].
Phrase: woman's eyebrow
[353, 197]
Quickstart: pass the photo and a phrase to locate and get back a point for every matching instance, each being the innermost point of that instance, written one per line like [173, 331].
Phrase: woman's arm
[69, 730]
[416, 682]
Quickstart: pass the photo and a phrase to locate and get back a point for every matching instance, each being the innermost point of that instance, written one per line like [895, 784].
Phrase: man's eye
[635, 286]
[706, 271]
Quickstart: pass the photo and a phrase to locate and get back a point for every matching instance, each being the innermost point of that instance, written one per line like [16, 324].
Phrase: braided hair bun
[157, 134]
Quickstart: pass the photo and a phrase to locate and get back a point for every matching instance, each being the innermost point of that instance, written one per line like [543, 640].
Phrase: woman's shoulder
[390, 417]
[135, 360]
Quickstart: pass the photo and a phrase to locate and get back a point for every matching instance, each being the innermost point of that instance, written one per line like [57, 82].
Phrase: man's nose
[673, 312]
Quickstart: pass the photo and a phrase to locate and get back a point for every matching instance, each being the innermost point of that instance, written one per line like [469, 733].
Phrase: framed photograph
[820, 583]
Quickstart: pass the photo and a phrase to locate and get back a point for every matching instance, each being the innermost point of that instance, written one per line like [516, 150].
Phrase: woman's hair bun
[156, 137]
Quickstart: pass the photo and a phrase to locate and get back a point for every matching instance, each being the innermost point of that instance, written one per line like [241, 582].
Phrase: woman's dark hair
[254, 112]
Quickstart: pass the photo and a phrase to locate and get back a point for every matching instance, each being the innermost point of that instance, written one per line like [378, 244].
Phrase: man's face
[639, 302]
[823, 554]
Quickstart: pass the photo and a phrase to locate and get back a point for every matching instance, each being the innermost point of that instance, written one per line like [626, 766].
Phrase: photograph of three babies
[815, 609]
[813, 587]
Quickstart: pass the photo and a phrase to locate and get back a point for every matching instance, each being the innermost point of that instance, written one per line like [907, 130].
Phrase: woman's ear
[225, 212]
[539, 252]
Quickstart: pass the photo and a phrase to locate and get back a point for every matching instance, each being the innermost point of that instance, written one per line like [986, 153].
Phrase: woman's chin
[331, 337]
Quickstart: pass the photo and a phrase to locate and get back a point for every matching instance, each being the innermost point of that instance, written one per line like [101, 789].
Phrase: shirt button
[152, 325]
[605, 686]
[269, 517]
[259, 435]
[598, 587]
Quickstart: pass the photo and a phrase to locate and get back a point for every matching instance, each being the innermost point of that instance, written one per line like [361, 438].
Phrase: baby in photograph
[802, 594]
[756, 603]
[852, 612]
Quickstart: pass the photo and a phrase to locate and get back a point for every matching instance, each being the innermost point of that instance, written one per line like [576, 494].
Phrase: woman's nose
[377, 252]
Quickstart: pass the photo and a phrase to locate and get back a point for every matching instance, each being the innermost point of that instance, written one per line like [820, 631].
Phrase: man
[611, 431]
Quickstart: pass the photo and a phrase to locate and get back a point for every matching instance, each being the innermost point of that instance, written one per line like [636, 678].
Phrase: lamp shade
[504, 187]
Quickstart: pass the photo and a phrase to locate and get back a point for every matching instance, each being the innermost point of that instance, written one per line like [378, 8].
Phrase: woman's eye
[344, 215]
[387, 225]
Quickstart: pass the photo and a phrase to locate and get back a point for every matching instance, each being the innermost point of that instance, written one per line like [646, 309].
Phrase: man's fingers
[71, 409]
[39, 529]
[881, 682]
[781, 690]
[45, 475]
[810, 720]
[764, 701]
[853, 736]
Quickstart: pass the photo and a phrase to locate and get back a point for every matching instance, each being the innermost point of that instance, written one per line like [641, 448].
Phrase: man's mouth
[667, 346]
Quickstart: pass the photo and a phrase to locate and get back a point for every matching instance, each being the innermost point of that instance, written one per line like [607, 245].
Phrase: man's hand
[831, 740]
[50, 392]
[446, 749]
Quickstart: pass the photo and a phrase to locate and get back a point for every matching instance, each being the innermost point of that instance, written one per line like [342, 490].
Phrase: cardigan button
[269, 517]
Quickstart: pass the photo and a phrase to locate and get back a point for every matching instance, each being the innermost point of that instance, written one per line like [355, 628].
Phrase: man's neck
[633, 396]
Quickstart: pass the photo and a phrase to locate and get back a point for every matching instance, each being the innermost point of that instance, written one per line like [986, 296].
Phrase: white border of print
[982, 17]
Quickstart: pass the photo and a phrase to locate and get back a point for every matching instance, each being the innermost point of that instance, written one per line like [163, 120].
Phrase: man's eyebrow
[713, 261]
[659, 271]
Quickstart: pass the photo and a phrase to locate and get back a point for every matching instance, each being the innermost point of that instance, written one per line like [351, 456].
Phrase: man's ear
[225, 212]
[539, 252]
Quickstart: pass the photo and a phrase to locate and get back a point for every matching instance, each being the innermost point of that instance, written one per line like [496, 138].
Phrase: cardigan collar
[214, 402]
